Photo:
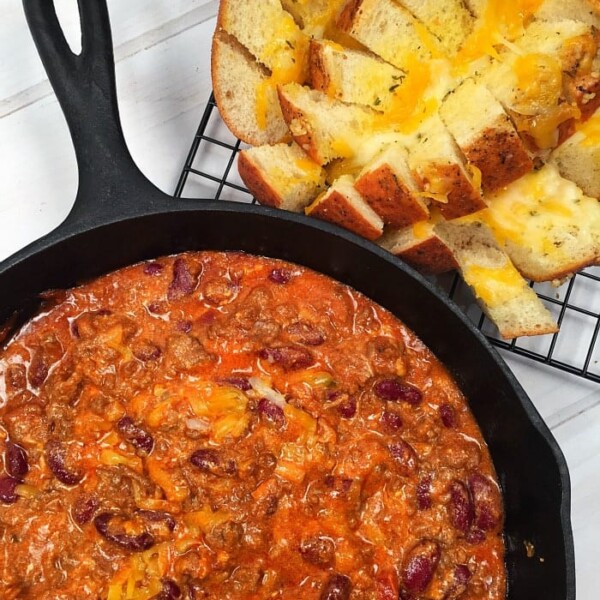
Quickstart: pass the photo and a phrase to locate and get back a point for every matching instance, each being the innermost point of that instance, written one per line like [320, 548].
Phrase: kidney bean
[211, 461]
[183, 282]
[56, 455]
[206, 459]
[420, 565]
[461, 578]
[157, 516]
[462, 511]
[16, 378]
[153, 269]
[280, 276]
[16, 461]
[184, 326]
[394, 389]
[135, 435]
[448, 416]
[84, 508]
[391, 420]
[347, 409]
[147, 351]
[291, 358]
[462, 574]
[386, 584]
[196, 590]
[157, 308]
[225, 536]
[404, 456]
[42, 358]
[339, 487]
[170, 591]
[487, 501]
[319, 551]
[38, 369]
[338, 587]
[475, 536]
[424, 493]
[303, 332]
[8, 495]
[135, 543]
[271, 412]
[241, 383]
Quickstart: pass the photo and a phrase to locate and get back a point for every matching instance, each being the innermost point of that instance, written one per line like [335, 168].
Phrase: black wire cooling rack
[210, 171]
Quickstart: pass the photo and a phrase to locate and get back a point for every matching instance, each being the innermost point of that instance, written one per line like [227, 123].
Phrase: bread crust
[584, 90]
[335, 208]
[253, 177]
[501, 157]
[390, 198]
[463, 198]
[346, 17]
[246, 129]
[300, 128]
[558, 274]
[318, 74]
[430, 256]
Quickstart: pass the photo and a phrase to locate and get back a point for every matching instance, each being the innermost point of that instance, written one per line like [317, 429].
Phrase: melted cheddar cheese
[286, 57]
[542, 212]
[590, 131]
[494, 285]
[501, 21]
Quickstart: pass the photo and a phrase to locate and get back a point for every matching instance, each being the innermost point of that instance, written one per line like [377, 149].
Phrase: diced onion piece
[306, 424]
[261, 388]
[290, 471]
[232, 425]
[218, 400]
[111, 458]
[291, 462]
[24, 490]
[205, 519]
[174, 491]
[318, 379]
[196, 424]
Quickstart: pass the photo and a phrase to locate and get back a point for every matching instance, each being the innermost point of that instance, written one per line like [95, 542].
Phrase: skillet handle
[85, 87]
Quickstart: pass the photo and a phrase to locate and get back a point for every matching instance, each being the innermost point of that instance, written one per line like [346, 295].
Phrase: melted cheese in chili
[217, 425]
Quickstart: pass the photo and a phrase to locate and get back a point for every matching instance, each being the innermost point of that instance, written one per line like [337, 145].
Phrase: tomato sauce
[218, 425]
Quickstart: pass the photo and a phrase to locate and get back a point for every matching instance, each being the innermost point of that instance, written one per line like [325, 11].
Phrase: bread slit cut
[440, 168]
[503, 294]
[390, 189]
[487, 138]
[578, 159]
[546, 224]
[268, 32]
[281, 176]
[390, 31]
[343, 205]
[449, 20]
[587, 11]
[324, 128]
[548, 81]
[353, 76]
[419, 246]
[236, 77]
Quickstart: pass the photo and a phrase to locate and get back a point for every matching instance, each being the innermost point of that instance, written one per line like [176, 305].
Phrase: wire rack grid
[210, 171]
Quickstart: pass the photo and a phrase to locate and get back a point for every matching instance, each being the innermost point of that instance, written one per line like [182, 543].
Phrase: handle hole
[67, 13]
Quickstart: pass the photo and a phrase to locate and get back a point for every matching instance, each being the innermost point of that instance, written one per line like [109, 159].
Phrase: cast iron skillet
[120, 218]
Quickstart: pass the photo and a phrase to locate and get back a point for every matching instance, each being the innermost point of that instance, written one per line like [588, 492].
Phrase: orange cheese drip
[501, 19]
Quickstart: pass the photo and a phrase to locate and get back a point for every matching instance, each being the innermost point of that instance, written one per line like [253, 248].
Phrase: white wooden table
[163, 79]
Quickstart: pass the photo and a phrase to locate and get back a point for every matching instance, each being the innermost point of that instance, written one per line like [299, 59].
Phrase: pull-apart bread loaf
[457, 134]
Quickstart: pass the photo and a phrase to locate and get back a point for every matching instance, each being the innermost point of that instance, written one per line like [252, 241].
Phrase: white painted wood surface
[163, 80]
